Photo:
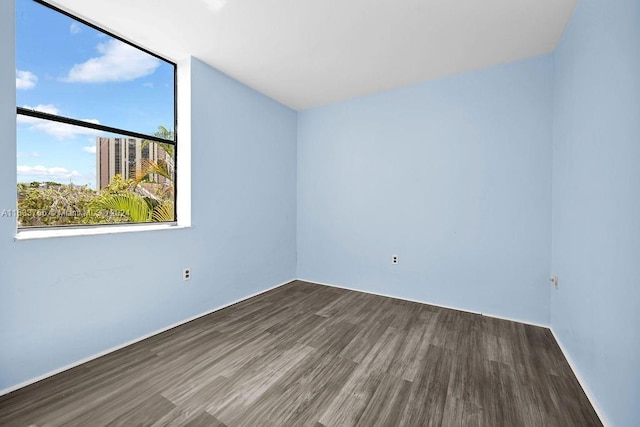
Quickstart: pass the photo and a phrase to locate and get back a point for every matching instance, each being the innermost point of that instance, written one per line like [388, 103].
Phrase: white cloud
[25, 80]
[63, 130]
[45, 172]
[59, 130]
[118, 62]
[90, 149]
[27, 155]
[215, 5]
[75, 28]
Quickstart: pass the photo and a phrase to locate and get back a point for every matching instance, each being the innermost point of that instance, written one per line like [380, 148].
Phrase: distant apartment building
[125, 156]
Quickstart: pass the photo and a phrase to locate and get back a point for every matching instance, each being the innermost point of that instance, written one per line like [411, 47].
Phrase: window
[96, 121]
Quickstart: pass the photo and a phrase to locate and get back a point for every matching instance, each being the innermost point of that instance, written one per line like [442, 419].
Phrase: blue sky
[67, 68]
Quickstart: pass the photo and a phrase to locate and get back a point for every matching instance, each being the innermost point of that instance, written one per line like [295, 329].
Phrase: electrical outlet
[394, 259]
[554, 281]
[186, 274]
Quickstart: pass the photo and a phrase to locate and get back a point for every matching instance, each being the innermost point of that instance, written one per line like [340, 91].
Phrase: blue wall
[452, 175]
[595, 314]
[65, 299]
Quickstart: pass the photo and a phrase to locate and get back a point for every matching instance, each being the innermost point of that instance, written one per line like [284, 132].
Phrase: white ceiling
[306, 53]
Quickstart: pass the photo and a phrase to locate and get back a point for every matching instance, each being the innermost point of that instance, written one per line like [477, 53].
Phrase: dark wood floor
[311, 355]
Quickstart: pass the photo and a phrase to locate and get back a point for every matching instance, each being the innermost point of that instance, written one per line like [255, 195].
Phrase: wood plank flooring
[310, 355]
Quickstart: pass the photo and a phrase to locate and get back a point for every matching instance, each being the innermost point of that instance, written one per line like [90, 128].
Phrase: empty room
[320, 213]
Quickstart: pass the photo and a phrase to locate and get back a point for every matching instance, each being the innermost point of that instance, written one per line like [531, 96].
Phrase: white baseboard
[511, 319]
[428, 303]
[128, 343]
[588, 393]
[580, 379]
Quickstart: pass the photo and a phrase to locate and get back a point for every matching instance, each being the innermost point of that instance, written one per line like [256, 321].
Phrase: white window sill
[93, 231]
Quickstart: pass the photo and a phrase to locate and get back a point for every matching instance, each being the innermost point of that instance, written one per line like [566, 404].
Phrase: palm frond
[164, 133]
[148, 167]
[164, 212]
[132, 205]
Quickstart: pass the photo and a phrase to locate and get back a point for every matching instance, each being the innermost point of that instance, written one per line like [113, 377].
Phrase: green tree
[60, 204]
[144, 199]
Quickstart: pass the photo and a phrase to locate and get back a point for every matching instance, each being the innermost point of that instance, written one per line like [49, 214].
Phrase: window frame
[111, 129]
